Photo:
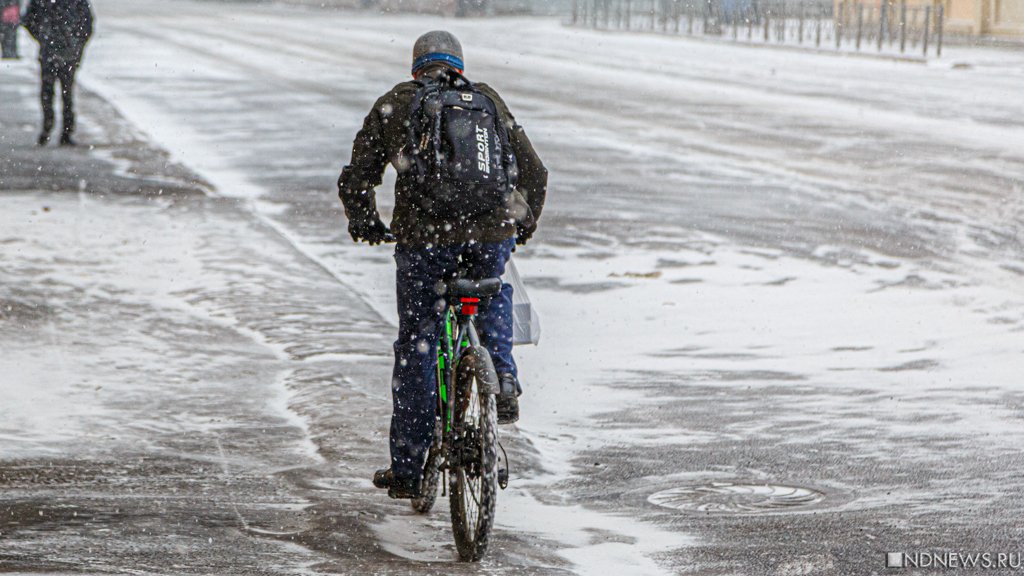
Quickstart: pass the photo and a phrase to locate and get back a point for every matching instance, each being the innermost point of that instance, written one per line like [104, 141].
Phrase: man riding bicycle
[434, 245]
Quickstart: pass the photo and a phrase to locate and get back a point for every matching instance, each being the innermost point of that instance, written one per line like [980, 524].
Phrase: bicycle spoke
[472, 492]
[471, 507]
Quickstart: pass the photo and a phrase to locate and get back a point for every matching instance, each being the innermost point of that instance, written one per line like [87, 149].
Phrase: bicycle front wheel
[431, 475]
[473, 481]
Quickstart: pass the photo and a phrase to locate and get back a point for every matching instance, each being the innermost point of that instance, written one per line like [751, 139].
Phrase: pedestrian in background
[10, 18]
[62, 28]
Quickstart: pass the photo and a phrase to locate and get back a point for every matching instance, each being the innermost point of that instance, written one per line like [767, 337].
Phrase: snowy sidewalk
[146, 370]
[113, 158]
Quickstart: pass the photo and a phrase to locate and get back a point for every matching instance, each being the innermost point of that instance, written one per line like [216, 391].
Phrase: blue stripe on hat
[422, 61]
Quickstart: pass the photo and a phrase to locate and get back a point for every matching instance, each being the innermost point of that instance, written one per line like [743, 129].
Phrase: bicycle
[465, 447]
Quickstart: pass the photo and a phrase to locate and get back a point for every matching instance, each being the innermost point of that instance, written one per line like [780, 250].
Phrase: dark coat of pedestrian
[10, 18]
[62, 28]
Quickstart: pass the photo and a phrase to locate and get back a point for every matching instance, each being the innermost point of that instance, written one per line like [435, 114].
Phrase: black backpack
[459, 150]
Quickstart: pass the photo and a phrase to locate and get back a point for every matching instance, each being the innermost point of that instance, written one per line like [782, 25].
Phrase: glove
[524, 233]
[372, 231]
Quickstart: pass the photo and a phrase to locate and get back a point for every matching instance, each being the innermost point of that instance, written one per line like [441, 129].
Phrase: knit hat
[437, 47]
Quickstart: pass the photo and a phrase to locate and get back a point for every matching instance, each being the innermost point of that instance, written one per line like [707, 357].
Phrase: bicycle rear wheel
[473, 481]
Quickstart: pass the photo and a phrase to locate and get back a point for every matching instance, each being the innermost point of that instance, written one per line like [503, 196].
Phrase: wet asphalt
[192, 464]
[189, 459]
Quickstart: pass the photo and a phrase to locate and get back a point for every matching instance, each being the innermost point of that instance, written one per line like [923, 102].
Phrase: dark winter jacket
[62, 28]
[381, 142]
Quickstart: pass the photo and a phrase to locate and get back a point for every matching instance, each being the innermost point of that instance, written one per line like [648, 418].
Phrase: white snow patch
[144, 259]
[411, 537]
[596, 543]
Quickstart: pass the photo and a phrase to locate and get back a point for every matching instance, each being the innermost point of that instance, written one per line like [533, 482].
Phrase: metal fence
[891, 27]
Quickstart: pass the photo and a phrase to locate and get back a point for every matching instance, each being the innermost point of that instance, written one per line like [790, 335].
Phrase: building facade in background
[996, 18]
[981, 18]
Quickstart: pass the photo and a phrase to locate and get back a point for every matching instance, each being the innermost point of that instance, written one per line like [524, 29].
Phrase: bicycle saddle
[465, 288]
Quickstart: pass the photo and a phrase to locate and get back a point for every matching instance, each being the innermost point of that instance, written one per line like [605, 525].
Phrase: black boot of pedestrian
[48, 122]
[398, 488]
[67, 140]
[508, 399]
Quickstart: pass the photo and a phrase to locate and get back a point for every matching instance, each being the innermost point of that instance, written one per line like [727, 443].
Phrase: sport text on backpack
[460, 152]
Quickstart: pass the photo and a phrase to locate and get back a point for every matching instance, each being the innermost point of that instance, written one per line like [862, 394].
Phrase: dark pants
[53, 72]
[421, 309]
[9, 40]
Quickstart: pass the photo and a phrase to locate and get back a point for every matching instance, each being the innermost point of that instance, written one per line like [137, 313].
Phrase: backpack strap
[418, 127]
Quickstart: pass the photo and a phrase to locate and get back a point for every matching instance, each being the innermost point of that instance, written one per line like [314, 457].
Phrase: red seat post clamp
[469, 307]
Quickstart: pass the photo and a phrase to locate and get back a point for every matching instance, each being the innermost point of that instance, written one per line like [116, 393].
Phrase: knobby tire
[473, 490]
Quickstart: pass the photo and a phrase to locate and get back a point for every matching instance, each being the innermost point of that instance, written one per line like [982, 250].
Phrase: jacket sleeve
[533, 176]
[366, 169]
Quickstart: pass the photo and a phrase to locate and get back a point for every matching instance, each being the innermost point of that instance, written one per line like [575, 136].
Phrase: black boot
[508, 399]
[67, 140]
[398, 488]
[48, 121]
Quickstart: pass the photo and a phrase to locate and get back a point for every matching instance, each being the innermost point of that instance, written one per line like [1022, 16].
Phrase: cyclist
[431, 248]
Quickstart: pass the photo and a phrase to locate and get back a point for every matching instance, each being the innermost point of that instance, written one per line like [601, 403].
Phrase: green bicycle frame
[455, 337]
[444, 354]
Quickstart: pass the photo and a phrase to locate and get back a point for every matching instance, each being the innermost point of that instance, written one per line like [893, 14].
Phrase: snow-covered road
[757, 266]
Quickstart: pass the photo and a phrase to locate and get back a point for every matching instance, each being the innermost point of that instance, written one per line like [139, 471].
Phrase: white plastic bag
[525, 321]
